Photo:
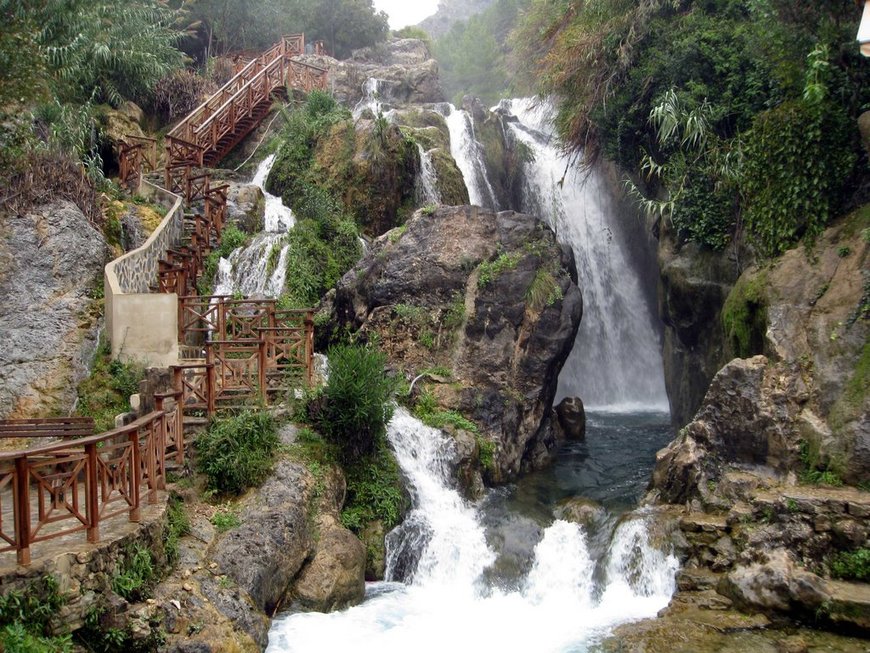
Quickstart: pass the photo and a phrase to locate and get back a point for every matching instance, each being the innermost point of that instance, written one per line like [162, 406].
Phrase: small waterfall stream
[427, 179]
[616, 362]
[260, 268]
[566, 601]
[468, 154]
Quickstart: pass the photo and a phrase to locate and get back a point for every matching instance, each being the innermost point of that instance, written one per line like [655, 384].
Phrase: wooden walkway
[238, 352]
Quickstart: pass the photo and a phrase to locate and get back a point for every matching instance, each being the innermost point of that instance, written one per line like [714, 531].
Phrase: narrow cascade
[566, 602]
[371, 99]
[260, 268]
[468, 154]
[616, 361]
[427, 180]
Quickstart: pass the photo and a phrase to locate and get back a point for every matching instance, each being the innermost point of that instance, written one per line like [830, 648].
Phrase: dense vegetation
[729, 113]
[230, 25]
[237, 452]
[106, 392]
[65, 63]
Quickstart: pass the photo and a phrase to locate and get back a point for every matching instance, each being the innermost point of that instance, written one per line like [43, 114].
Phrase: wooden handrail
[78, 482]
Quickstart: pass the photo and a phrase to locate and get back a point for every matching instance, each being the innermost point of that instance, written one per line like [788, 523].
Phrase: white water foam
[254, 270]
[427, 179]
[468, 154]
[447, 606]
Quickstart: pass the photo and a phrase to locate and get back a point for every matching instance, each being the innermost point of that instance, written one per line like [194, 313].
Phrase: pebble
[187, 587]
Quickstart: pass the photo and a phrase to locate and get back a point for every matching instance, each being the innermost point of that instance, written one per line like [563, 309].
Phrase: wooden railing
[220, 122]
[75, 485]
[247, 350]
[137, 154]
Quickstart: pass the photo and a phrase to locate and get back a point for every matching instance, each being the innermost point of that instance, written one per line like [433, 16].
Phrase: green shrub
[744, 315]
[106, 392]
[237, 452]
[852, 565]
[133, 580]
[30, 609]
[798, 158]
[489, 271]
[225, 519]
[177, 525]
[374, 490]
[355, 405]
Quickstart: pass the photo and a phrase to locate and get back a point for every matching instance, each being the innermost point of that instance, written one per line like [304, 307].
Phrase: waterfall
[468, 154]
[616, 360]
[441, 554]
[427, 180]
[371, 99]
[259, 269]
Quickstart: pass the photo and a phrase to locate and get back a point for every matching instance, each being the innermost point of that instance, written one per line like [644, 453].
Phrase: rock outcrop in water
[759, 520]
[51, 259]
[490, 297]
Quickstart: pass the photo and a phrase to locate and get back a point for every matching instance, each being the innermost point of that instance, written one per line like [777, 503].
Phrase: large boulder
[266, 552]
[492, 298]
[407, 72]
[51, 260]
[748, 418]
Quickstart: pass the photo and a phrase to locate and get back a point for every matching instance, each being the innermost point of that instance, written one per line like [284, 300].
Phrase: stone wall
[142, 325]
[136, 271]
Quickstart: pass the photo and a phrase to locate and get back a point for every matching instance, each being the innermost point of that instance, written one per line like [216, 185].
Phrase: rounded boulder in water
[578, 510]
[572, 418]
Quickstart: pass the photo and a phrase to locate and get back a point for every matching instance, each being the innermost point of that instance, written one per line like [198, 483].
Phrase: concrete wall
[141, 325]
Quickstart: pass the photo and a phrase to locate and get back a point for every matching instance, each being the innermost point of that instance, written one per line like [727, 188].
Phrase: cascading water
[260, 268]
[427, 180]
[616, 361]
[373, 89]
[468, 154]
[441, 552]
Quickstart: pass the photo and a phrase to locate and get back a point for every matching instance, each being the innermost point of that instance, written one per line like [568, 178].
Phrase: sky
[406, 12]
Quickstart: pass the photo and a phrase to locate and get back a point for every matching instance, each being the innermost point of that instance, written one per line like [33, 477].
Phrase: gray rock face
[266, 552]
[747, 418]
[408, 72]
[422, 293]
[694, 285]
[49, 261]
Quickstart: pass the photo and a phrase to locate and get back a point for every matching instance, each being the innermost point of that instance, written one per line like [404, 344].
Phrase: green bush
[237, 452]
[177, 525]
[797, 160]
[744, 316]
[852, 565]
[106, 392]
[134, 579]
[30, 609]
[355, 406]
[374, 491]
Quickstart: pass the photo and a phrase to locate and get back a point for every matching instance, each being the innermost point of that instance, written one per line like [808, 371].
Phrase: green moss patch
[744, 315]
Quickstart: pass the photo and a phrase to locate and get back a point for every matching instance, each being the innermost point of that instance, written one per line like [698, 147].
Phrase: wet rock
[572, 418]
[503, 354]
[372, 538]
[335, 577]
[578, 510]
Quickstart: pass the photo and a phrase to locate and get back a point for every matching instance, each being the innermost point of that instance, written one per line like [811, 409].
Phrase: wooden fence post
[22, 510]
[135, 476]
[92, 498]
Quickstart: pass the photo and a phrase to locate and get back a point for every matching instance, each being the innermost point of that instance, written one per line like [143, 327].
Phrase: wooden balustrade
[73, 486]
